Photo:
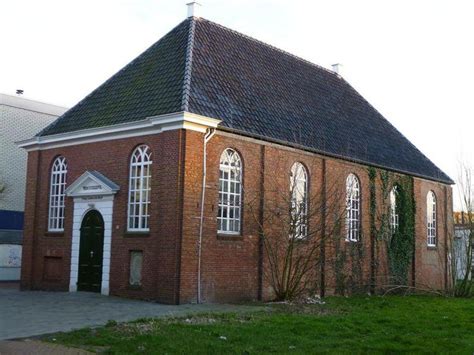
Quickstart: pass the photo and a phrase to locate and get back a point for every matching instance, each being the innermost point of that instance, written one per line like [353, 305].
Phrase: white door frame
[105, 208]
[92, 191]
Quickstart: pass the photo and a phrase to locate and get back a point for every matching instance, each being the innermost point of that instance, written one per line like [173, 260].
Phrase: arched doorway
[91, 252]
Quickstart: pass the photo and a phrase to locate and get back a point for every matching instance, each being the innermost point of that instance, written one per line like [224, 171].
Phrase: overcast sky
[413, 60]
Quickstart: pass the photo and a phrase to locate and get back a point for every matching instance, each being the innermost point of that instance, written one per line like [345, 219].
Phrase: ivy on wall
[348, 263]
[399, 243]
[395, 246]
[402, 244]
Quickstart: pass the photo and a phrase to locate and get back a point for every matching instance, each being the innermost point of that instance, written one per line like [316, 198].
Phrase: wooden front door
[91, 252]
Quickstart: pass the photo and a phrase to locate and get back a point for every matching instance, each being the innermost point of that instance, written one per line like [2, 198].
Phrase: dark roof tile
[256, 90]
[260, 90]
[149, 85]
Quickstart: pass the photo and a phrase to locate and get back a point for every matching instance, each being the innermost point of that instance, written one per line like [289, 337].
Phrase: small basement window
[136, 262]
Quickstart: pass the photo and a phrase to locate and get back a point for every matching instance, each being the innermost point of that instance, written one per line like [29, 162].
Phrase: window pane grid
[299, 201]
[352, 208]
[139, 189]
[230, 193]
[431, 218]
[394, 218]
[57, 195]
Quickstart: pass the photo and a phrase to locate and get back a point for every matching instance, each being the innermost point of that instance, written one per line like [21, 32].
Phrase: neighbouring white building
[462, 238]
[20, 118]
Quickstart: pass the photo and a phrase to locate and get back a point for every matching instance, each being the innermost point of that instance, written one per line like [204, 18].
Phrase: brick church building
[142, 189]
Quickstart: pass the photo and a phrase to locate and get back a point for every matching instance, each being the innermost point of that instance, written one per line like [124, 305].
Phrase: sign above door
[92, 184]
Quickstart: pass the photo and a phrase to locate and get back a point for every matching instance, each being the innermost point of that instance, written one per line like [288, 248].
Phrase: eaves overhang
[150, 125]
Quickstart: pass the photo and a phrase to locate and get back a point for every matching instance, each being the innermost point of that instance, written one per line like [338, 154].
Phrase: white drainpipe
[207, 137]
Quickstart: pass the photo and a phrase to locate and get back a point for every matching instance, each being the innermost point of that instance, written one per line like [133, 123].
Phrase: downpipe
[207, 137]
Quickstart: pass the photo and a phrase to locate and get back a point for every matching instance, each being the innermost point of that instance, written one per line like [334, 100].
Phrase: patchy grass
[352, 325]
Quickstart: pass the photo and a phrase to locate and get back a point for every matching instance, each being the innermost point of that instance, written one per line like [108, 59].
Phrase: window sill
[432, 247]
[54, 234]
[135, 287]
[351, 241]
[136, 234]
[225, 236]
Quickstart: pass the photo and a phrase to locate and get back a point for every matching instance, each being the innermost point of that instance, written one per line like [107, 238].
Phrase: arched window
[352, 208]
[230, 192]
[299, 201]
[139, 190]
[394, 218]
[57, 195]
[431, 218]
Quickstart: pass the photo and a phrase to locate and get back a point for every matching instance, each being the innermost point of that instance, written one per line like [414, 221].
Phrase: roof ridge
[319, 66]
[188, 65]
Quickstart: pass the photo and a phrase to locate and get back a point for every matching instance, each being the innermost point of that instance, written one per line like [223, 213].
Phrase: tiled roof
[256, 90]
[152, 84]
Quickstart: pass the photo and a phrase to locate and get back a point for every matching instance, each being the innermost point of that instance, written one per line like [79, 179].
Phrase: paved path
[36, 347]
[31, 313]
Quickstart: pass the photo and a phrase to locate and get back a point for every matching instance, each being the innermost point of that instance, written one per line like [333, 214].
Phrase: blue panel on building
[12, 220]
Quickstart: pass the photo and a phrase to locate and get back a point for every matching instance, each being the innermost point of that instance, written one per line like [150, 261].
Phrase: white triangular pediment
[92, 183]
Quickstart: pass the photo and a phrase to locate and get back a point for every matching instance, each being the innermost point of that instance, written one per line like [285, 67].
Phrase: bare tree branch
[461, 250]
[291, 228]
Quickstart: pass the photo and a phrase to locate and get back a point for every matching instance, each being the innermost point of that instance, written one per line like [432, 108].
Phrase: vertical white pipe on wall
[207, 137]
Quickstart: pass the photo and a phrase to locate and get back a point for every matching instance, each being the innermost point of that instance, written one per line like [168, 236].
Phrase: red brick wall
[356, 268]
[29, 229]
[430, 262]
[230, 265]
[111, 158]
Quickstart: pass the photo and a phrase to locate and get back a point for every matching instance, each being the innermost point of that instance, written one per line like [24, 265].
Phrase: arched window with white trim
[299, 201]
[431, 218]
[394, 217]
[352, 208]
[57, 195]
[139, 189]
[230, 192]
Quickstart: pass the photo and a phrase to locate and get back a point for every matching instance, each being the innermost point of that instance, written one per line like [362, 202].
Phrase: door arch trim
[89, 263]
[104, 205]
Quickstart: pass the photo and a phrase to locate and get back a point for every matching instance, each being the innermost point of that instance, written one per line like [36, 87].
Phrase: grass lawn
[352, 325]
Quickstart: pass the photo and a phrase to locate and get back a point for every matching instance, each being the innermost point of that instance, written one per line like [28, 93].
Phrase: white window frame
[299, 200]
[229, 212]
[57, 195]
[139, 191]
[431, 217]
[394, 217]
[352, 208]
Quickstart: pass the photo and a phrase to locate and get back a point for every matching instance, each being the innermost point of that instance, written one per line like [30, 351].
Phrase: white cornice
[150, 125]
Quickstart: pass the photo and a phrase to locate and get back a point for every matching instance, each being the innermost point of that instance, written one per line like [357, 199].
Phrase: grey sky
[412, 60]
